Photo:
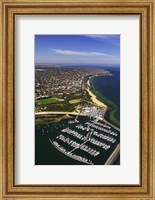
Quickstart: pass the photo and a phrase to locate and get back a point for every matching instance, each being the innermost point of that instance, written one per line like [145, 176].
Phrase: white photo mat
[128, 171]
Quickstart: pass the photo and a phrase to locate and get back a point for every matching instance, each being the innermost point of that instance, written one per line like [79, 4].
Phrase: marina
[85, 136]
[77, 99]
[82, 138]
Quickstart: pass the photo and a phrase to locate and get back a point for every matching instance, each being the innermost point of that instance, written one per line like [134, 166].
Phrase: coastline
[58, 113]
[94, 97]
[109, 104]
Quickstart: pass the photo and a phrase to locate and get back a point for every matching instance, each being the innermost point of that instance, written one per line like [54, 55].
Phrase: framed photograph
[70, 96]
[77, 99]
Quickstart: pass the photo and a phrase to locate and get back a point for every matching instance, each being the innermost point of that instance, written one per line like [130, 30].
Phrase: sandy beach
[93, 97]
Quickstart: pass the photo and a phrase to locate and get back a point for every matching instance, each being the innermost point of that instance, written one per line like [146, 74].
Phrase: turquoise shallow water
[107, 89]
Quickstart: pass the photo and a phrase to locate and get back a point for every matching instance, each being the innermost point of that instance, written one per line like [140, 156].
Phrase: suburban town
[65, 93]
[61, 82]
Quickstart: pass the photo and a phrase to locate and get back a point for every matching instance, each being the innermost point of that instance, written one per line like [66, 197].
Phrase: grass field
[74, 101]
[49, 100]
[77, 95]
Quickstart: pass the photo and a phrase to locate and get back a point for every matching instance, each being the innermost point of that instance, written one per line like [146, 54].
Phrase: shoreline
[58, 113]
[96, 101]
[72, 113]
[93, 96]
[93, 99]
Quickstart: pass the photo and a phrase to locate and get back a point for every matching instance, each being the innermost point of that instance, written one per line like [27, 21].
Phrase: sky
[77, 49]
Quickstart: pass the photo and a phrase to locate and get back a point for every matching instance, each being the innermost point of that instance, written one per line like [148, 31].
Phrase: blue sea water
[107, 89]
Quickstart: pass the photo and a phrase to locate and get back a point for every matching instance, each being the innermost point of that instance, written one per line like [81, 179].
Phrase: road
[58, 113]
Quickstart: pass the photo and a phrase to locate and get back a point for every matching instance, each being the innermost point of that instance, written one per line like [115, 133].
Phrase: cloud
[102, 37]
[113, 39]
[80, 53]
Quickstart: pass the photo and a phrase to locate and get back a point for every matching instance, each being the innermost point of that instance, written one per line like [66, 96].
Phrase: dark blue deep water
[107, 89]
